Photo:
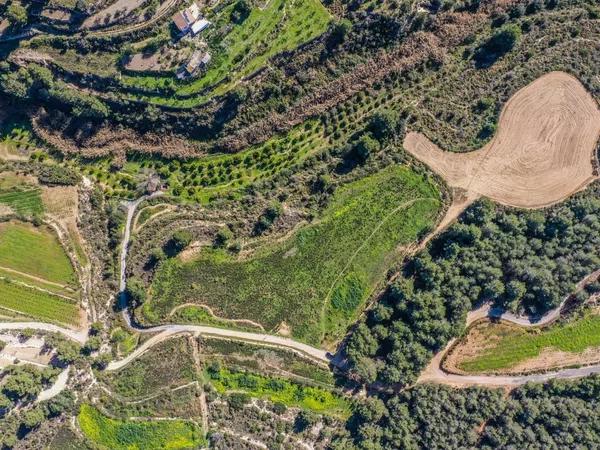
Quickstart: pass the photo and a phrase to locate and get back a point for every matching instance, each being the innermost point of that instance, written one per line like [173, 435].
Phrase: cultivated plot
[541, 153]
[502, 348]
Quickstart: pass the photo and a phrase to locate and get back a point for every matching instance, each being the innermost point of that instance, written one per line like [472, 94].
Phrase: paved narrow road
[58, 386]
[168, 331]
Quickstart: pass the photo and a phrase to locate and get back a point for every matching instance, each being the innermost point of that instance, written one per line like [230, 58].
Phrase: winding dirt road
[433, 373]
[168, 331]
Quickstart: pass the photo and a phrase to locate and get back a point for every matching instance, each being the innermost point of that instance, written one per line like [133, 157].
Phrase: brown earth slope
[542, 152]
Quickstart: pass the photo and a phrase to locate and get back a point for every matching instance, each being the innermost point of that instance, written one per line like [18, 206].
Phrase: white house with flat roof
[190, 19]
[184, 19]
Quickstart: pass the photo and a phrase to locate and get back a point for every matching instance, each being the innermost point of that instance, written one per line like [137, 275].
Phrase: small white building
[199, 25]
[198, 60]
[186, 18]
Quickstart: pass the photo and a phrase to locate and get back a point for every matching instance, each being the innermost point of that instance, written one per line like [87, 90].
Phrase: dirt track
[542, 151]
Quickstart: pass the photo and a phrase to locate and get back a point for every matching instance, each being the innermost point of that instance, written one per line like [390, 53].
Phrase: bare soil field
[542, 152]
[162, 60]
[112, 13]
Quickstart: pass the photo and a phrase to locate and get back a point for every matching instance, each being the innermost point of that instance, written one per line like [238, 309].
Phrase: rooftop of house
[200, 25]
[185, 18]
[198, 58]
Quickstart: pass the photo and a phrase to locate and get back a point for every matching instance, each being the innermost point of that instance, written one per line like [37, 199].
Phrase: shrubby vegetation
[278, 390]
[317, 279]
[36, 82]
[57, 175]
[525, 261]
[120, 434]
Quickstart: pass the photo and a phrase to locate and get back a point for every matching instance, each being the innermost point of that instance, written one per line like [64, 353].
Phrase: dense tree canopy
[525, 261]
[559, 414]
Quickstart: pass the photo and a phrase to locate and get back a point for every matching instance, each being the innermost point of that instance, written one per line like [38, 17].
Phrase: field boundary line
[37, 288]
[33, 277]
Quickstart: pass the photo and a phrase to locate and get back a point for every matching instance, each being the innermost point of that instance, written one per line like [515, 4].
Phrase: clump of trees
[57, 175]
[240, 11]
[36, 82]
[268, 217]
[501, 42]
[558, 414]
[17, 14]
[524, 261]
[135, 291]
[180, 240]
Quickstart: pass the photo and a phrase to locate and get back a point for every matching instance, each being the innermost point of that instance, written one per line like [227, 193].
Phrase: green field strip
[518, 345]
[37, 304]
[115, 434]
[36, 252]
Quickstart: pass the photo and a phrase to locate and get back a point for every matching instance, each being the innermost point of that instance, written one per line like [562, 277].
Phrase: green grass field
[37, 304]
[280, 26]
[513, 345]
[317, 280]
[138, 435]
[280, 390]
[35, 251]
[25, 200]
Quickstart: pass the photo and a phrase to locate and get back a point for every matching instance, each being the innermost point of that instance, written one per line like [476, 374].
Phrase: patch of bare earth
[542, 152]
[165, 59]
[484, 336]
[478, 339]
[555, 359]
[110, 15]
[284, 329]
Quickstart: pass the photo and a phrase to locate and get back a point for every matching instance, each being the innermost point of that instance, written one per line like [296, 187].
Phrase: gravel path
[58, 386]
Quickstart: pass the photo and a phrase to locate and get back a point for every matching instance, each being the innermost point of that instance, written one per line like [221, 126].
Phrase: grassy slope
[294, 281]
[280, 390]
[282, 25]
[130, 435]
[515, 345]
[37, 304]
[35, 251]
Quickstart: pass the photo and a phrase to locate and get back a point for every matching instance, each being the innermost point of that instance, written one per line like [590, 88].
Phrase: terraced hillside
[296, 227]
[318, 279]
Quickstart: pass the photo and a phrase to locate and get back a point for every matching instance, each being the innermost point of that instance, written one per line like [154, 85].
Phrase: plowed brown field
[542, 152]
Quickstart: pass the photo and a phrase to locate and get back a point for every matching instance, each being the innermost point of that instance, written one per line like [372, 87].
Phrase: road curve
[59, 385]
[166, 331]
[434, 373]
